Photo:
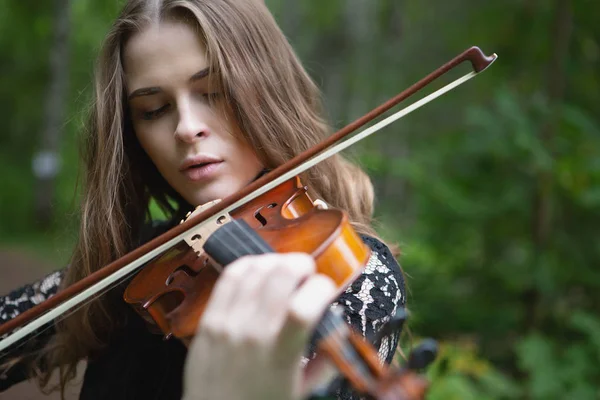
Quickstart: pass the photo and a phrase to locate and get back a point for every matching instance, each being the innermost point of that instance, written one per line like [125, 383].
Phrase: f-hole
[260, 217]
[183, 268]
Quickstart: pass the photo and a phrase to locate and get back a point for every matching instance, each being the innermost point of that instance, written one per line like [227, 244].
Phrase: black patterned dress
[141, 365]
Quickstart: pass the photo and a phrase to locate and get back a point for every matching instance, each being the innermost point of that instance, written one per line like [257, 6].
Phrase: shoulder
[375, 295]
[383, 269]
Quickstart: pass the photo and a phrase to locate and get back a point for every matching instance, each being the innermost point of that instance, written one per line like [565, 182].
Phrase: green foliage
[23, 85]
[556, 372]
[474, 241]
[460, 373]
[492, 191]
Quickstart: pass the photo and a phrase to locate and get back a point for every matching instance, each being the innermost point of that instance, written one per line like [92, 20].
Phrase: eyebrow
[154, 90]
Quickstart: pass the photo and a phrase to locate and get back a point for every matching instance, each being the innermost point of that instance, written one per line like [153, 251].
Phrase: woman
[193, 100]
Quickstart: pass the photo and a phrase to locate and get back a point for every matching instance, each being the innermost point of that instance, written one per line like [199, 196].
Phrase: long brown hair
[270, 97]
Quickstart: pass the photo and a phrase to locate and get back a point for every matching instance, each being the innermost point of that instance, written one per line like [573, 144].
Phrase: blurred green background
[492, 191]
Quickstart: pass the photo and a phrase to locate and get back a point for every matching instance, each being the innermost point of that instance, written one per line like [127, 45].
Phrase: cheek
[153, 143]
[248, 160]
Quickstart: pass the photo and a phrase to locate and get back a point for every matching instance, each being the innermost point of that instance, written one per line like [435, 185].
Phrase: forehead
[163, 53]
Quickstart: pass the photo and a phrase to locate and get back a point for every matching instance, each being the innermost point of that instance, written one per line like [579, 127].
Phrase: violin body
[171, 291]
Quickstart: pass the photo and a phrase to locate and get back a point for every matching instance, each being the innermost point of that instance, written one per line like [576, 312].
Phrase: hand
[255, 328]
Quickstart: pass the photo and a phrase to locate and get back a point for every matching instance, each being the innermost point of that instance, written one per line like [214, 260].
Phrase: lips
[200, 167]
[198, 161]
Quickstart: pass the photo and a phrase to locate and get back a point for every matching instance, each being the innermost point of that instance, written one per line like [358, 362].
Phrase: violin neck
[235, 240]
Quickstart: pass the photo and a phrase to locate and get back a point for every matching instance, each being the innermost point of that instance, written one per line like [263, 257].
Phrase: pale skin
[251, 338]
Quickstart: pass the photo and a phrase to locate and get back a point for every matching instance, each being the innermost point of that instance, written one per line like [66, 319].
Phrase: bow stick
[111, 274]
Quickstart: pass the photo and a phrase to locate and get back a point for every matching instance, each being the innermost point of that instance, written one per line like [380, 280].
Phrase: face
[195, 148]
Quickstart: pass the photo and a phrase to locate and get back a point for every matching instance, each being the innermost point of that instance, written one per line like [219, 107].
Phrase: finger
[244, 309]
[311, 299]
[278, 289]
[236, 298]
[306, 308]
[224, 293]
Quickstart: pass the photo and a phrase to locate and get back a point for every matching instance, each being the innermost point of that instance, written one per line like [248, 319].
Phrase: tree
[46, 162]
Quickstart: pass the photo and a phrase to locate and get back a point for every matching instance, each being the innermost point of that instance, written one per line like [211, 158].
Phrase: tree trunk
[360, 18]
[395, 143]
[542, 197]
[46, 163]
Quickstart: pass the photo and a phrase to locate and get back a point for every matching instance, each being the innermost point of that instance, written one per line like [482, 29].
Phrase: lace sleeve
[375, 296]
[371, 300]
[13, 304]
[22, 299]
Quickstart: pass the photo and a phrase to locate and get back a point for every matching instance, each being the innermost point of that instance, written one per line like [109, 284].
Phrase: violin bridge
[198, 235]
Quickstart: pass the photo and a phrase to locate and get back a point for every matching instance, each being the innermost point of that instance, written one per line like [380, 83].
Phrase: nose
[191, 125]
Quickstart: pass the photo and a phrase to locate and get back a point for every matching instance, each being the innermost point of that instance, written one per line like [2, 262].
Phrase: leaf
[589, 325]
[536, 357]
[454, 387]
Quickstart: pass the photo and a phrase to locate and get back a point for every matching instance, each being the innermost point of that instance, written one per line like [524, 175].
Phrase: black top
[141, 365]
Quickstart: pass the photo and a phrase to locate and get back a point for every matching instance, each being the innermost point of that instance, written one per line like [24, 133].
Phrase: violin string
[265, 248]
[260, 244]
[244, 245]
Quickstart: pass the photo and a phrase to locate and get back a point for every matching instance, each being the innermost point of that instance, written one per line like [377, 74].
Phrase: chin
[196, 201]
[207, 195]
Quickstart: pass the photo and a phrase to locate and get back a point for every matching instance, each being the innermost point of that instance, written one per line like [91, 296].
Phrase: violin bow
[111, 274]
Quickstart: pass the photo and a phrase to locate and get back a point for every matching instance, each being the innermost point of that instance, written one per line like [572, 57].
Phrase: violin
[274, 213]
[172, 291]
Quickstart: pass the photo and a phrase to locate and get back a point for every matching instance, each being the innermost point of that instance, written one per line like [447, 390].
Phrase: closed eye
[210, 96]
[149, 115]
